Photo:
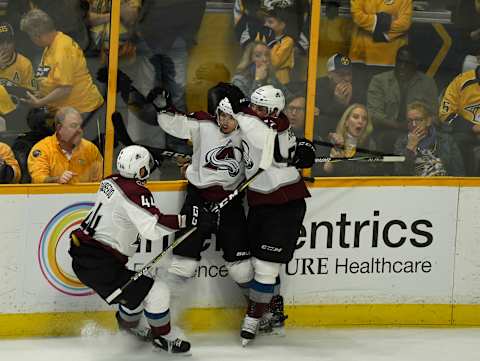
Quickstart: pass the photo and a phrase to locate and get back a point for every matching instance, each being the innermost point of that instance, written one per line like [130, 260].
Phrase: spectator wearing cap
[391, 91]
[62, 75]
[335, 93]
[16, 73]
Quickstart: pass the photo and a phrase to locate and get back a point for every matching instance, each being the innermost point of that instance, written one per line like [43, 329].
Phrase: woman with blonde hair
[255, 69]
[352, 130]
[428, 152]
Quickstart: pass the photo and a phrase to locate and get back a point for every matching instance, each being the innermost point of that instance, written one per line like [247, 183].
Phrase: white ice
[325, 344]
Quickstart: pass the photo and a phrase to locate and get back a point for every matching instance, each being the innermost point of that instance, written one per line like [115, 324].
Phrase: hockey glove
[236, 98]
[384, 21]
[304, 156]
[160, 99]
[200, 217]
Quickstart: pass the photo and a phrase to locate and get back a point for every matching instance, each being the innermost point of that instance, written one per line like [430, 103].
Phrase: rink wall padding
[389, 251]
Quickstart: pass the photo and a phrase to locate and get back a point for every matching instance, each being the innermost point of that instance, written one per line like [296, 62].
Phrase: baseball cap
[338, 62]
[6, 32]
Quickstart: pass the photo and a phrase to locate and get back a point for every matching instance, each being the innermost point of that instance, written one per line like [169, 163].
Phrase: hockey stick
[360, 150]
[265, 161]
[123, 136]
[145, 269]
[373, 159]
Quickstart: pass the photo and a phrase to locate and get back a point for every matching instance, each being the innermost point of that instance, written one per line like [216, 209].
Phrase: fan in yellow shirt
[62, 75]
[9, 168]
[65, 157]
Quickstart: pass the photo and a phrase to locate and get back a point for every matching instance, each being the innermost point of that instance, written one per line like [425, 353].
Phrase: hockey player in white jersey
[100, 248]
[215, 171]
[276, 197]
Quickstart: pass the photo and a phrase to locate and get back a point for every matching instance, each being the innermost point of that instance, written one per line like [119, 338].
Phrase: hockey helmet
[269, 97]
[132, 160]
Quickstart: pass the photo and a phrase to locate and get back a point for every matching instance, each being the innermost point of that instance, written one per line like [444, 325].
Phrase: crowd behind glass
[389, 89]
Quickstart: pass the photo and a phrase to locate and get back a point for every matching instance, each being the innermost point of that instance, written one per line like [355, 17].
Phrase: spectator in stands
[380, 29]
[335, 93]
[460, 107]
[295, 112]
[249, 22]
[391, 91]
[255, 69]
[65, 157]
[16, 74]
[353, 130]
[281, 44]
[9, 168]
[169, 28]
[428, 152]
[62, 75]
[98, 19]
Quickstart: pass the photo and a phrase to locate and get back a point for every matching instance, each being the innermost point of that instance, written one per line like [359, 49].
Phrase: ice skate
[273, 322]
[141, 333]
[249, 329]
[175, 346]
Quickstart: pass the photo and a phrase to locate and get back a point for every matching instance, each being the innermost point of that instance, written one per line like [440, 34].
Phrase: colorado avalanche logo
[224, 158]
[247, 160]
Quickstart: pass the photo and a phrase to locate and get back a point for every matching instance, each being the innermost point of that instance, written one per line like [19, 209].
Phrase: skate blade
[179, 354]
[245, 341]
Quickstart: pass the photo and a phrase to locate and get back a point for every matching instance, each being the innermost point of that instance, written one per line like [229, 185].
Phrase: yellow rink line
[212, 319]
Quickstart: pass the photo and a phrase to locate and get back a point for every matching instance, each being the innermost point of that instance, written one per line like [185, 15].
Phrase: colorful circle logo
[53, 257]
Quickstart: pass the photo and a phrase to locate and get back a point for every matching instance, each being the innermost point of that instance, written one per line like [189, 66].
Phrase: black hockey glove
[304, 156]
[160, 99]
[237, 99]
[384, 22]
[200, 217]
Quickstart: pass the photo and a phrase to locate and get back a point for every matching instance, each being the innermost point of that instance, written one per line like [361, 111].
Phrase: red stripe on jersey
[282, 195]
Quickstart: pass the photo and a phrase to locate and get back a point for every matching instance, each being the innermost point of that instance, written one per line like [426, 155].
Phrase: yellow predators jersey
[7, 155]
[363, 48]
[63, 63]
[6, 103]
[47, 159]
[18, 73]
[462, 97]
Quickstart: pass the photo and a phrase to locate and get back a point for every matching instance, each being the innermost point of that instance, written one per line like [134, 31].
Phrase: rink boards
[369, 253]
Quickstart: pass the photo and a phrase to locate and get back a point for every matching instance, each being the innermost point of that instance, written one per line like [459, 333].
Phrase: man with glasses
[65, 157]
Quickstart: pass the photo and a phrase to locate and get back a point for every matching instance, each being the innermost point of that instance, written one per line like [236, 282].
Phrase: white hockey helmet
[225, 107]
[269, 97]
[132, 160]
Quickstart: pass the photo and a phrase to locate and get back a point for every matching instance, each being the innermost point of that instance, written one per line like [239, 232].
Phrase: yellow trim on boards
[214, 319]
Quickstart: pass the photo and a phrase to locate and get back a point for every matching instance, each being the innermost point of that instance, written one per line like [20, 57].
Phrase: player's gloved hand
[237, 99]
[160, 98]
[304, 156]
[200, 217]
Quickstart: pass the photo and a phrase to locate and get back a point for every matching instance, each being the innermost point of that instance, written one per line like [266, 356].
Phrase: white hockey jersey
[123, 209]
[217, 166]
[279, 183]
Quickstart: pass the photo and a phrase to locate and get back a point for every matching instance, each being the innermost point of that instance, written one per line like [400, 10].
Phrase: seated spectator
[281, 44]
[62, 75]
[295, 112]
[353, 130]
[428, 152]
[460, 108]
[9, 168]
[65, 157]
[391, 91]
[255, 69]
[335, 93]
[16, 76]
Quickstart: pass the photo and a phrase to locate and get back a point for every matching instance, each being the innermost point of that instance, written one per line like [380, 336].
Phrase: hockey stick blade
[374, 159]
[145, 269]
